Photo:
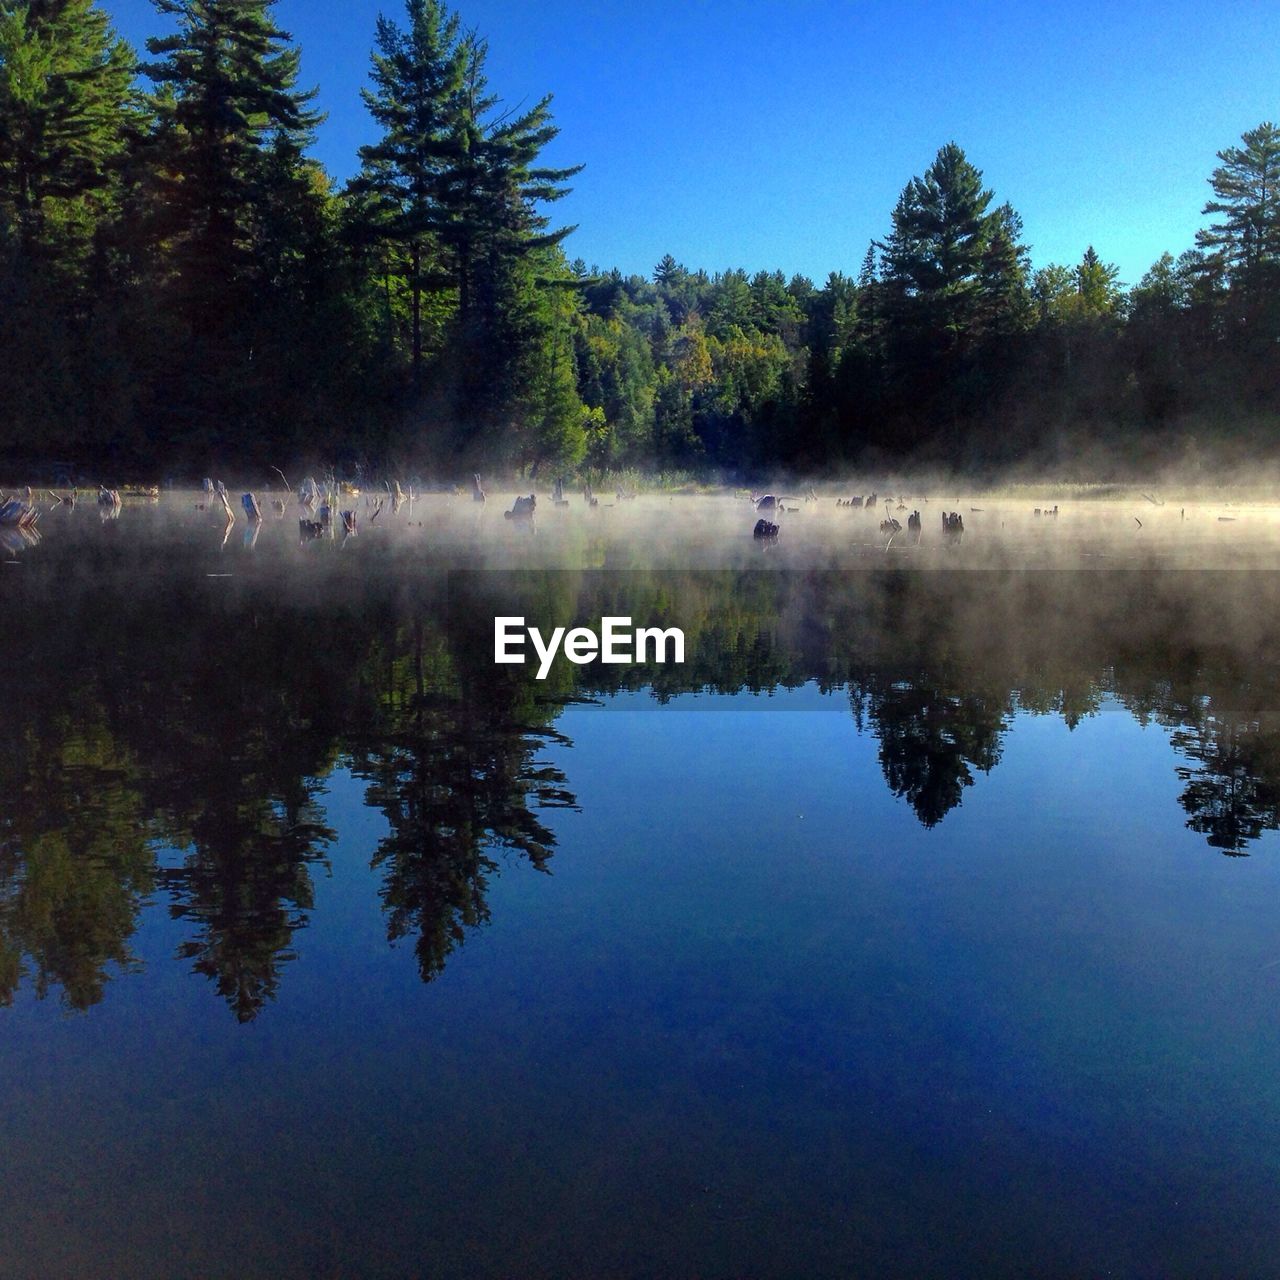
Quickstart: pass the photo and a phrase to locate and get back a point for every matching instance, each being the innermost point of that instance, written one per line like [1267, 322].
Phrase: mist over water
[921, 922]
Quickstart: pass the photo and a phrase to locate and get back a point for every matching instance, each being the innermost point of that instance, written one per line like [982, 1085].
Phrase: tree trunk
[416, 264]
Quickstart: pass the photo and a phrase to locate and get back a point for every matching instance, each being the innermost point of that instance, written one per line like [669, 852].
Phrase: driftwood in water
[522, 508]
[309, 493]
[477, 489]
[349, 523]
[251, 509]
[16, 514]
[309, 530]
[109, 498]
[765, 530]
[226, 505]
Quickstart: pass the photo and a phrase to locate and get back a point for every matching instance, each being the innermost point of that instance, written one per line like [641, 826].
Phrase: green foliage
[231, 136]
[66, 111]
[1246, 187]
[180, 281]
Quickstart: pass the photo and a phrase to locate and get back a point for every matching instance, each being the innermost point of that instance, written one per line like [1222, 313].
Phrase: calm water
[924, 923]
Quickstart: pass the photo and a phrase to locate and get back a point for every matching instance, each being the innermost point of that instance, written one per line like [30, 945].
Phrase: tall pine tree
[416, 99]
[65, 95]
[233, 111]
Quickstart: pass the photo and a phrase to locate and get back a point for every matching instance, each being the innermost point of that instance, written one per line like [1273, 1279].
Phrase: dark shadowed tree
[416, 100]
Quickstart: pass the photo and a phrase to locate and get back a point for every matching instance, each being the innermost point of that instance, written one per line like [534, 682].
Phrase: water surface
[922, 923]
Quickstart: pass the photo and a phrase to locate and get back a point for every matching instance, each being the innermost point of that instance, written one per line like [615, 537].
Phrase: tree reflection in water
[176, 742]
[451, 766]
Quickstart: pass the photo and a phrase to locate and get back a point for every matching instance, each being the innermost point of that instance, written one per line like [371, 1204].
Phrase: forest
[180, 282]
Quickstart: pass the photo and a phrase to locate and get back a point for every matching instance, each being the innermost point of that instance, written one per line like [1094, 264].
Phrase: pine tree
[65, 117]
[1247, 190]
[416, 100]
[1003, 275]
[507, 265]
[1096, 286]
[496, 187]
[233, 112]
[941, 230]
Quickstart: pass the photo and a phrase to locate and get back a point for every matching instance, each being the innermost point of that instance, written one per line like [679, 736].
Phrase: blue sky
[778, 135]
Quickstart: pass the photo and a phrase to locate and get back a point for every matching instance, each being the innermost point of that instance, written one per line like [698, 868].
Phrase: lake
[923, 922]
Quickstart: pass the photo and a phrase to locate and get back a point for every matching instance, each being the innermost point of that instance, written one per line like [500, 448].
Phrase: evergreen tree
[941, 233]
[1247, 190]
[1003, 275]
[65, 98]
[511, 331]
[233, 113]
[1096, 286]
[416, 100]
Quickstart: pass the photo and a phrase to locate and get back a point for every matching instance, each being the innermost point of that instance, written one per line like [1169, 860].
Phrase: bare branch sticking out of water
[281, 505]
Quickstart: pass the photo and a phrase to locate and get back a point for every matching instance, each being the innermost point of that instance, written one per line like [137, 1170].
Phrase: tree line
[180, 280]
